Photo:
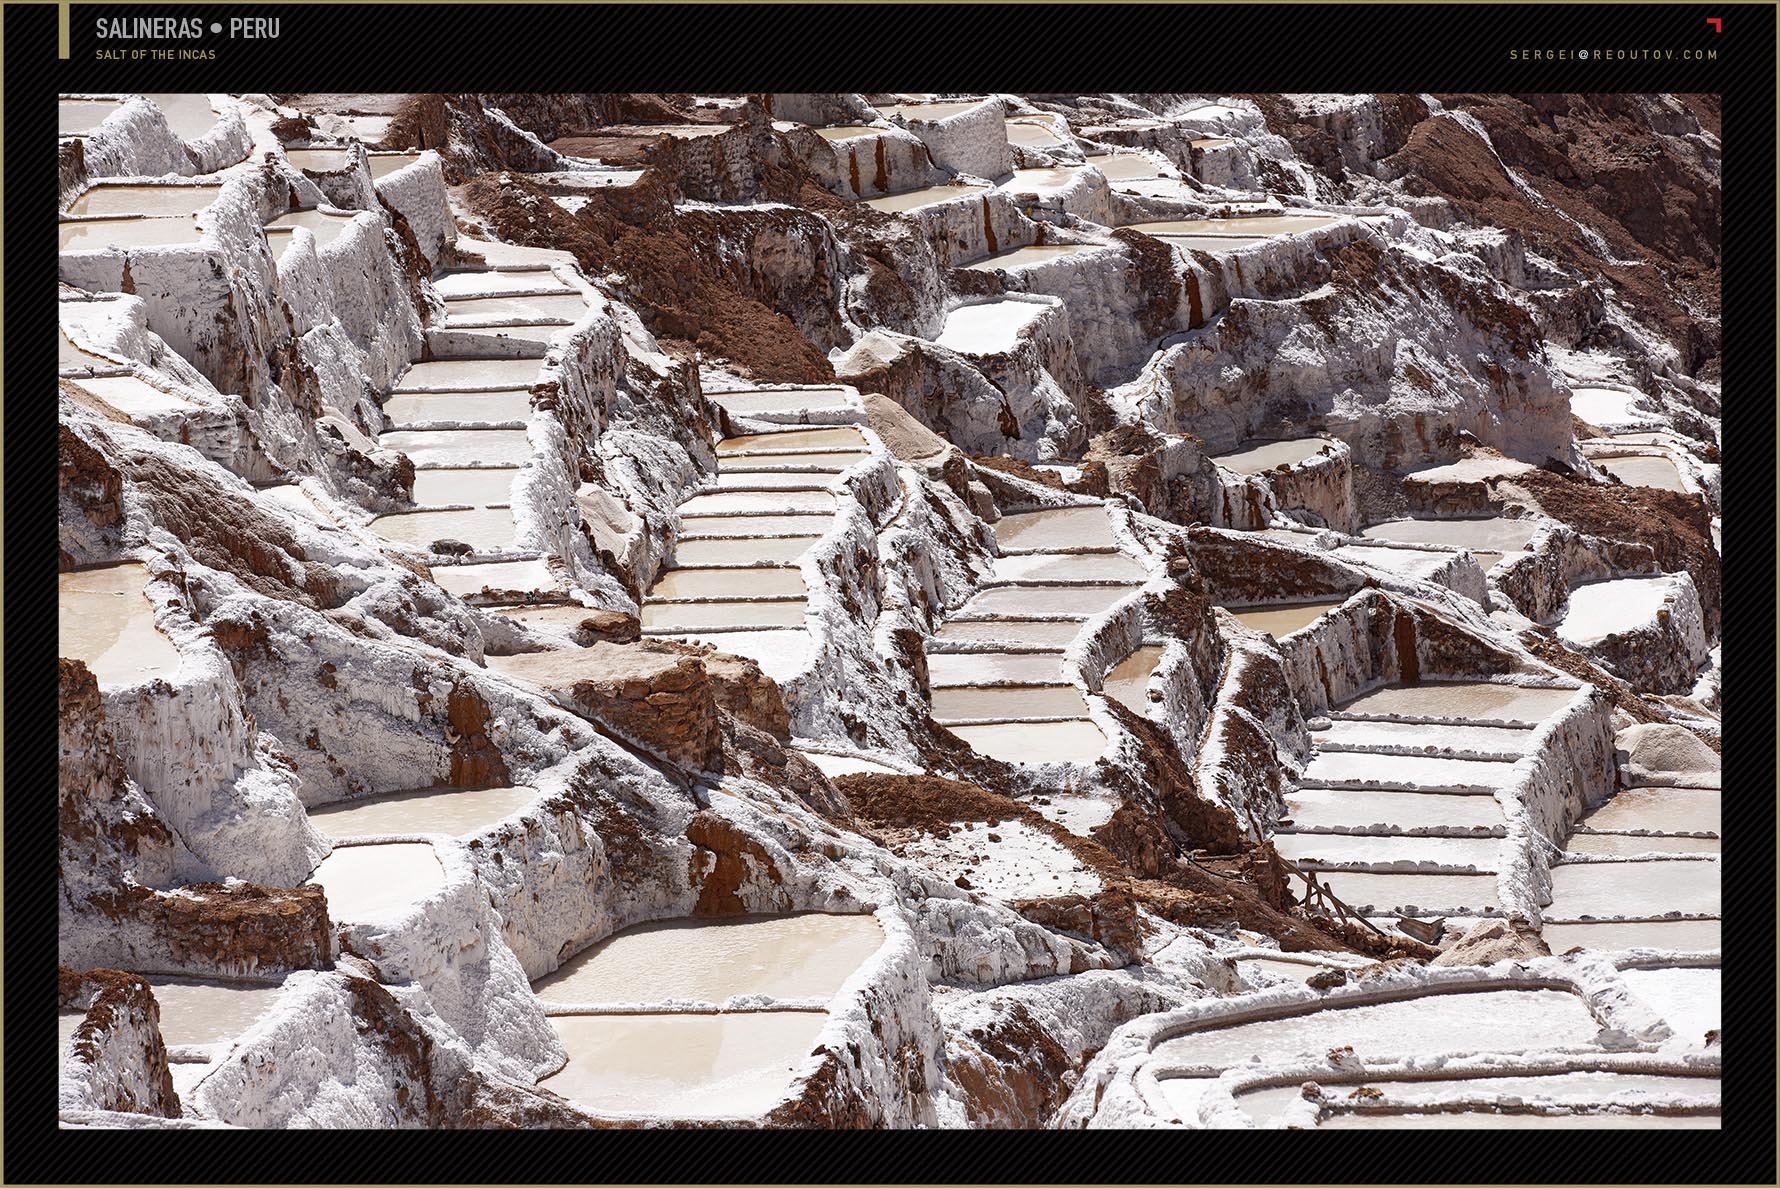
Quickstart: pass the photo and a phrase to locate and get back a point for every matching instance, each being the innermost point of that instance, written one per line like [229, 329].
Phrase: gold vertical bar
[62, 37]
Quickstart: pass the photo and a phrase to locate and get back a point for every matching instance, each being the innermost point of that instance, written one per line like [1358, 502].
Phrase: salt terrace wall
[118, 1061]
[972, 142]
[1558, 558]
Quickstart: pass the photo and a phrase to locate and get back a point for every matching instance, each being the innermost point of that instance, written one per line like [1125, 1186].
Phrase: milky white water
[683, 1066]
[195, 1011]
[989, 328]
[190, 116]
[1025, 257]
[1497, 1020]
[1311, 849]
[1325, 808]
[1069, 567]
[780, 654]
[1426, 771]
[1493, 740]
[1256, 457]
[425, 407]
[95, 234]
[723, 503]
[834, 766]
[77, 116]
[455, 811]
[1055, 528]
[480, 486]
[808, 955]
[1479, 1120]
[841, 437]
[1653, 888]
[320, 160]
[846, 132]
[987, 668]
[820, 461]
[1690, 1001]
[1032, 134]
[324, 226]
[775, 480]
[115, 199]
[1608, 936]
[1498, 533]
[1129, 680]
[735, 527]
[460, 286]
[561, 306]
[1669, 810]
[767, 400]
[1603, 406]
[1281, 621]
[1646, 470]
[133, 397]
[1626, 846]
[1052, 178]
[688, 616]
[1043, 600]
[933, 110]
[470, 375]
[1413, 893]
[1253, 225]
[1127, 167]
[292, 497]
[1036, 742]
[486, 529]
[1005, 703]
[927, 196]
[1011, 632]
[105, 620]
[460, 447]
[384, 164]
[469, 580]
[754, 582]
[367, 882]
[69, 355]
[1482, 701]
[743, 551]
[1600, 609]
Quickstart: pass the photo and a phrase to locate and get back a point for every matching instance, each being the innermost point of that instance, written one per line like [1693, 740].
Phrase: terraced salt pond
[927, 196]
[384, 164]
[1010, 632]
[1515, 1020]
[326, 226]
[1281, 621]
[1400, 1100]
[1659, 810]
[989, 328]
[1037, 134]
[319, 160]
[1255, 457]
[412, 408]
[369, 882]
[454, 811]
[683, 1066]
[946, 669]
[1077, 601]
[1495, 536]
[742, 550]
[1635, 890]
[1643, 470]
[469, 581]
[937, 109]
[1042, 568]
[1496, 742]
[469, 375]
[481, 486]
[189, 115]
[757, 503]
[74, 117]
[1128, 681]
[740, 527]
[1051, 178]
[802, 956]
[1246, 227]
[117, 200]
[841, 132]
[1335, 850]
[841, 437]
[799, 461]
[1126, 167]
[461, 448]
[1387, 812]
[1056, 529]
[681, 617]
[519, 282]
[1000, 704]
[1076, 741]
[132, 396]
[200, 1012]
[1600, 609]
[485, 529]
[1604, 406]
[1611, 935]
[564, 306]
[1690, 1001]
[1478, 701]
[1026, 257]
[770, 400]
[1478, 1120]
[754, 582]
[105, 620]
[86, 235]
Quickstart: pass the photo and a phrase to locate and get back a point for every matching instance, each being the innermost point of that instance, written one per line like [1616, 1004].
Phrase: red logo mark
[1717, 24]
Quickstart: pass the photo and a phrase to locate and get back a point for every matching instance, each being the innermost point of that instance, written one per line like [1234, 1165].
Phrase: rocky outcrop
[117, 1060]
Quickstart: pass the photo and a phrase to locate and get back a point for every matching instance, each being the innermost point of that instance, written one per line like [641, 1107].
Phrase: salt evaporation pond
[847, 132]
[683, 1066]
[1251, 225]
[770, 400]
[751, 582]
[1051, 178]
[1032, 134]
[133, 397]
[841, 437]
[561, 306]
[1025, 257]
[319, 160]
[87, 235]
[1496, 1020]
[466, 581]
[1600, 609]
[365, 882]
[460, 286]
[121, 200]
[1325, 808]
[384, 164]
[778, 480]
[1487, 1120]
[937, 109]
[834, 766]
[486, 529]
[1498, 535]
[689, 616]
[1213, 243]
[1036, 742]
[68, 355]
[1126, 167]
[734, 527]
[1056, 528]
[727, 503]
[1475, 700]
[196, 1011]
[77, 116]
[325, 226]
[1382, 893]
[460, 447]
[1128, 681]
[470, 375]
[807, 955]
[1281, 621]
[1603, 406]
[1005, 703]
[1336, 849]
[1043, 600]
[926, 196]
[781, 654]
[1011, 632]
[1560, 1088]
[454, 811]
[1612, 935]
[748, 550]
[989, 328]
[1423, 771]
[420, 407]
[105, 620]
[1660, 810]
[987, 668]
[190, 116]
[1490, 740]
[1628, 846]
[1650, 888]
[812, 461]
[1099, 568]
[1255, 457]
[480, 486]
[1690, 1001]
[1644, 470]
